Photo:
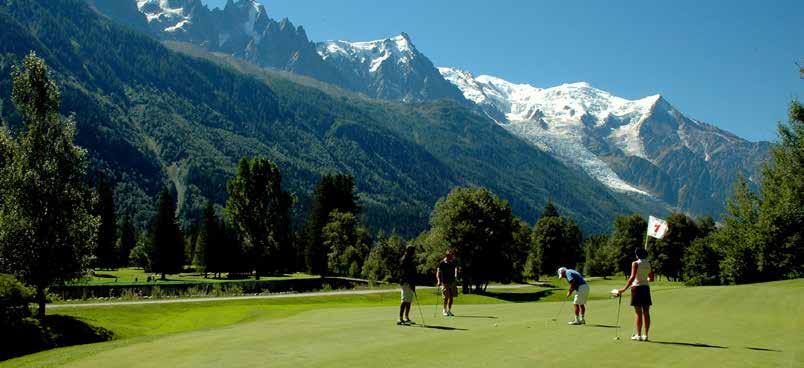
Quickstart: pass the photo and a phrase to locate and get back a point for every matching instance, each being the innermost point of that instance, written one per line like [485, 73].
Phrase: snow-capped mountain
[643, 146]
[242, 28]
[390, 69]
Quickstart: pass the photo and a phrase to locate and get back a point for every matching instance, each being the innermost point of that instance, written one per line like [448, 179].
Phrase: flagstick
[646, 241]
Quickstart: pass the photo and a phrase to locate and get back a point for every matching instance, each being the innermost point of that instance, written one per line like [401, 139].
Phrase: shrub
[33, 335]
[15, 298]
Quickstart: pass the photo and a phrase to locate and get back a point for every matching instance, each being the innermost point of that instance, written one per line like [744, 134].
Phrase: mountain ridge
[151, 117]
[243, 28]
[618, 141]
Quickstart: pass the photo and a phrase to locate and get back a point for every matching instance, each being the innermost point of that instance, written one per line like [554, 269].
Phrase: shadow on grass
[602, 326]
[31, 335]
[690, 344]
[763, 349]
[487, 317]
[519, 297]
[443, 328]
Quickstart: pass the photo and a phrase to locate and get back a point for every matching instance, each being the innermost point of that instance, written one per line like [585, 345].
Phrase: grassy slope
[692, 327]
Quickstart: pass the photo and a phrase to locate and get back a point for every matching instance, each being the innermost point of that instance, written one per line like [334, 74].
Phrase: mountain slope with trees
[150, 117]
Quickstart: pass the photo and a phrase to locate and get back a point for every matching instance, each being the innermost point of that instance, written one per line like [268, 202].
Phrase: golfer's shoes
[449, 313]
[410, 322]
[575, 323]
[446, 314]
[643, 338]
[401, 323]
[583, 321]
[635, 337]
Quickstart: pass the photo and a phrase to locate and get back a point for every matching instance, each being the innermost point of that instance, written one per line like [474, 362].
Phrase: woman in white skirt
[641, 276]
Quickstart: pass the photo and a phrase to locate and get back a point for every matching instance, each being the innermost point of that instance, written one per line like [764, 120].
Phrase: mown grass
[735, 326]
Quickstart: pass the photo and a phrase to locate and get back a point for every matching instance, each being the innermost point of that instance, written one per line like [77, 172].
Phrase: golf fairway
[733, 326]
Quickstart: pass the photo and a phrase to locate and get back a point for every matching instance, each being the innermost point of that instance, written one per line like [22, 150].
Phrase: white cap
[561, 270]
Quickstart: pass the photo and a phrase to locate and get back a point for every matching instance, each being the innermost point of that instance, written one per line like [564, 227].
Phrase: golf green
[757, 325]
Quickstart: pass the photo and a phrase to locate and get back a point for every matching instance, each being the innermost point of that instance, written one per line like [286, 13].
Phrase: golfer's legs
[638, 322]
[646, 317]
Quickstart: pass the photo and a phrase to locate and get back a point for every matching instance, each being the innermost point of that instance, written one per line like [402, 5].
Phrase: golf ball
[495, 325]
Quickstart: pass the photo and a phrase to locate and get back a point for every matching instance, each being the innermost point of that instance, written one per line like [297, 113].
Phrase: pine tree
[166, 239]
[333, 193]
[549, 210]
[105, 248]
[126, 241]
[208, 255]
[47, 228]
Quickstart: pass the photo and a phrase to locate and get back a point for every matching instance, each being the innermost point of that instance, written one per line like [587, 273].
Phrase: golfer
[581, 289]
[641, 276]
[447, 279]
[407, 281]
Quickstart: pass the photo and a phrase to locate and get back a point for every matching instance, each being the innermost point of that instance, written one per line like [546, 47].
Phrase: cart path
[257, 297]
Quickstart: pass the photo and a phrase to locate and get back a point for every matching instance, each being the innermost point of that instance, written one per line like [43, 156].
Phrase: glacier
[559, 119]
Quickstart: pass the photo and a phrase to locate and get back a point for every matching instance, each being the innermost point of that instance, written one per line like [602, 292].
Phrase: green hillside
[151, 116]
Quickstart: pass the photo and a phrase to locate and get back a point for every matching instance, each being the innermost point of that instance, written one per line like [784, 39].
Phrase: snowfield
[559, 120]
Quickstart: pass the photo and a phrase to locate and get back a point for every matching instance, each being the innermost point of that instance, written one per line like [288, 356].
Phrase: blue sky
[728, 63]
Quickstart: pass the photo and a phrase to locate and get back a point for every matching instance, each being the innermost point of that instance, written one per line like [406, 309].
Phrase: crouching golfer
[407, 281]
[641, 276]
[447, 279]
[581, 289]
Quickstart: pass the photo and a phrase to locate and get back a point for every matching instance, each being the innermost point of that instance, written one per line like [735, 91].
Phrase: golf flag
[657, 227]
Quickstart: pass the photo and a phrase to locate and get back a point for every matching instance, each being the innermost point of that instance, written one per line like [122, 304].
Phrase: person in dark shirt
[447, 279]
[407, 281]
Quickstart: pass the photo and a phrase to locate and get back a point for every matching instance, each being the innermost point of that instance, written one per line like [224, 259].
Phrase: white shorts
[581, 295]
[407, 293]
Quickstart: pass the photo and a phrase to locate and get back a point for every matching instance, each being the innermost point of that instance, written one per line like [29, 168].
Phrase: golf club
[619, 306]
[418, 305]
[438, 302]
[561, 309]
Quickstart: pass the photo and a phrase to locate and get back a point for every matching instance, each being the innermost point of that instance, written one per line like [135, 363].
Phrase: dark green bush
[15, 298]
[20, 334]
[30, 335]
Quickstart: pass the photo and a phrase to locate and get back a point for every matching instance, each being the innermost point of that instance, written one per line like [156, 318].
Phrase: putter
[438, 302]
[561, 309]
[418, 305]
[619, 306]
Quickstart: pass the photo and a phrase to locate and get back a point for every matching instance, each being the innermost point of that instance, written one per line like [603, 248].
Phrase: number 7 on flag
[657, 228]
